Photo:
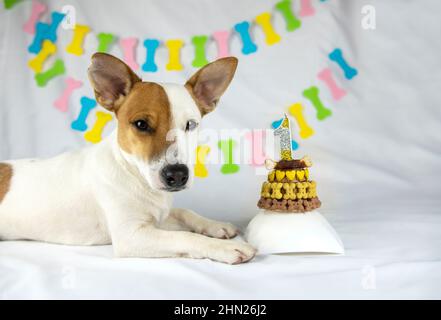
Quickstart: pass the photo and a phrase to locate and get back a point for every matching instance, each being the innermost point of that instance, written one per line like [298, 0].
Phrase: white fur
[101, 195]
[183, 109]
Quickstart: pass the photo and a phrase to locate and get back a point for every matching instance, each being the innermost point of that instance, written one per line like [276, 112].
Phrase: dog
[119, 192]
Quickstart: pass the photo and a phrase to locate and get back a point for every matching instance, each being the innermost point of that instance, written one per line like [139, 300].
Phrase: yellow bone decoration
[95, 134]
[280, 175]
[296, 111]
[200, 169]
[75, 47]
[264, 21]
[36, 64]
[301, 190]
[174, 54]
[306, 174]
[272, 188]
[289, 191]
[312, 192]
[276, 190]
[266, 189]
[307, 185]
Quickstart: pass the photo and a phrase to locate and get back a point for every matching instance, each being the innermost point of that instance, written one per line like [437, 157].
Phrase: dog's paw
[220, 230]
[232, 252]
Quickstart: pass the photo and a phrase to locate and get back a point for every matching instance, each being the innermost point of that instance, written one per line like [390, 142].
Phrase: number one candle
[284, 132]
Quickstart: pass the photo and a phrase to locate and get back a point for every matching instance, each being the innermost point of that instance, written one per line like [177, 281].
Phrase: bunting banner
[43, 45]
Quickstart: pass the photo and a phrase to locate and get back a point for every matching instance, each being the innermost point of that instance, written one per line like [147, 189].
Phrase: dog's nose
[175, 176]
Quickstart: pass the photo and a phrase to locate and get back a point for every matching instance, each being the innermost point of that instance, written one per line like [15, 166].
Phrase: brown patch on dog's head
[210, 82]
[146, 102]
[142, 108]
[5, 179]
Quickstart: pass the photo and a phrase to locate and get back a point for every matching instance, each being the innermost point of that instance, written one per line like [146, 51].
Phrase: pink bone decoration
[257, 153]
[306, 8]
[221, 38]
[326, 76]
[63, 101]
[38, 9]
[129, 48]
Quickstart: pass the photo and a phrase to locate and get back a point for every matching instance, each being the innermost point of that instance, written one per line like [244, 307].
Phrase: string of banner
[45, 37]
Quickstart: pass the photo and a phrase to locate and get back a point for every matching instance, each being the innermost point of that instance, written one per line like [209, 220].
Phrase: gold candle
[284, 132]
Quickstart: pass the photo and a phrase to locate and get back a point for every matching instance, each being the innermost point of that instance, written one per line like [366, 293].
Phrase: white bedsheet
[389, 254]
[377, 160]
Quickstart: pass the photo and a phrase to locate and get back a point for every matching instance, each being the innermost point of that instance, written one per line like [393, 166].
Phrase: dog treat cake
[288, 188]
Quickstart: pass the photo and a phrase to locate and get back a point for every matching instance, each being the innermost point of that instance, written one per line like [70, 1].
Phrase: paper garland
[45, 37]
[43, 31]
[312, 94]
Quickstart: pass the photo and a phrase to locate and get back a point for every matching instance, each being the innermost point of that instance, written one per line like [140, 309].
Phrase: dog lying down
[119, 192]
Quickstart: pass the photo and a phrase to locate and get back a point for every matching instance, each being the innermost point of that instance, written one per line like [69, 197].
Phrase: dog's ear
[111, 79]
[210, 82]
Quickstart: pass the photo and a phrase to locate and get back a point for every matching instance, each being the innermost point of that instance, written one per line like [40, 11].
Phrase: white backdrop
[376, 159]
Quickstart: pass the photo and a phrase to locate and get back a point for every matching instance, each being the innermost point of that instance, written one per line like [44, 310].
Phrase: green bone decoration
[312, 94]
[285, 8]
[10, 3]
[200, 59]
[227, 147]
[57, 69]
[104, 41]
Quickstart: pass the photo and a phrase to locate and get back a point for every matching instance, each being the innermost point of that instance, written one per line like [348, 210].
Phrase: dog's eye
[142, 125]
[191, 125]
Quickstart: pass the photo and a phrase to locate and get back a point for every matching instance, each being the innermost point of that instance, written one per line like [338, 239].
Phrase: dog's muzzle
[175, 177]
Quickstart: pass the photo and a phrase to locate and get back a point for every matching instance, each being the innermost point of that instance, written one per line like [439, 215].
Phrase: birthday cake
[288, 220]
[288, 188]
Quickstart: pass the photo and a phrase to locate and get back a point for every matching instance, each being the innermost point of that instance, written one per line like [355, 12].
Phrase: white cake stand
[276, 233]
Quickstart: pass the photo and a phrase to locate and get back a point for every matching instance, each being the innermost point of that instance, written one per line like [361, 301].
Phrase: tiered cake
[280, 226]
[288, 189]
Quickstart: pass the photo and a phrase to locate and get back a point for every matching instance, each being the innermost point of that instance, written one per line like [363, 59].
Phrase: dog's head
[158, 123]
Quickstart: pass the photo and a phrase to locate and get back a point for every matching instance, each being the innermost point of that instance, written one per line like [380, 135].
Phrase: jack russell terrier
[119, 191]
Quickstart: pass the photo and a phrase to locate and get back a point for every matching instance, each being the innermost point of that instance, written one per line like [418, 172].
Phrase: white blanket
[377, 159]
